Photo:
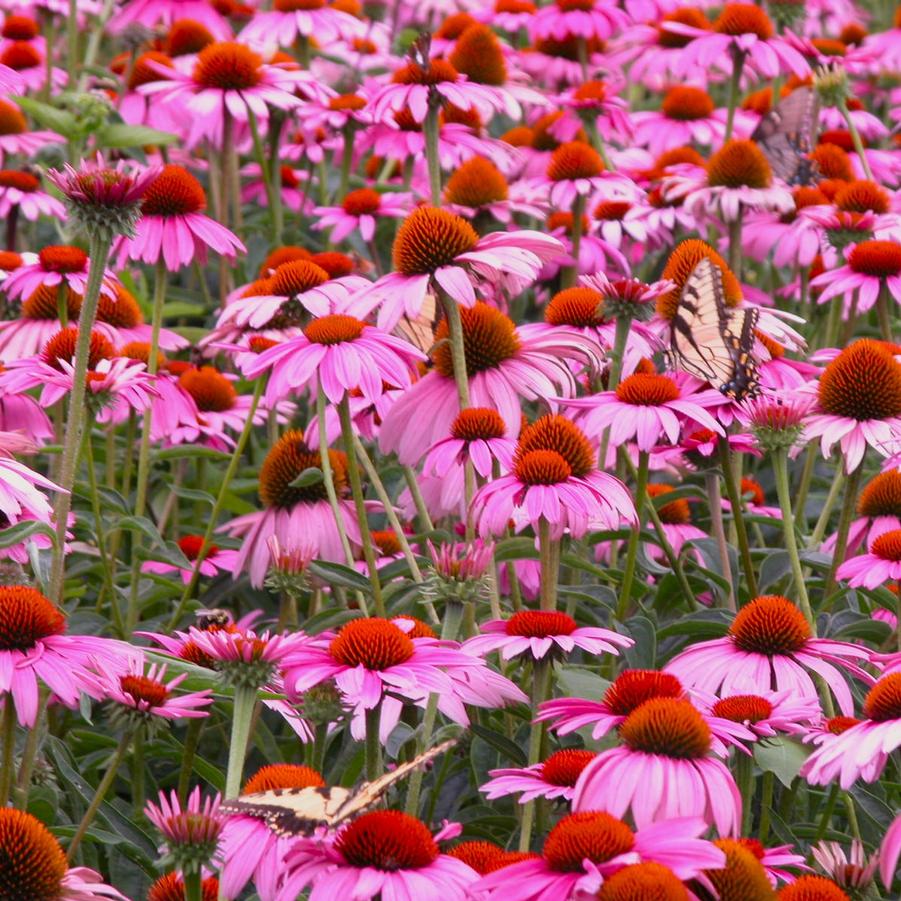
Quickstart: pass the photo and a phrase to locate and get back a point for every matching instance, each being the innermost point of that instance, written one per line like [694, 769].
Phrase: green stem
[569, 273]
[541, 681]
[450, 628]
[735, 247]
[549, 555]
[347, 158]
[715, 504]
[766, 805]
[320, 743]
[819, 530]
[800, 503]
[189, 751]
[273, 195]
[827, 812]
[744, 777]
[738, 63]
[641, 489]
[8, 741]
[242, 718]
[193, 880]
[356, 490]
[105, 784]
[217, 506]
[844, 527]
[105, 562]
[621, 337]
[741, 532]
[783, 492]
[374, 766]
[883, 312]
[458, 347]
[855, 140]
[30, 751]
[99, 252]
[422, 511]
[431, 129]
[71, 42]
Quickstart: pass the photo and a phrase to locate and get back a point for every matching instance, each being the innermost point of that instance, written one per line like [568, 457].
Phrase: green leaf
[643, 654]
[312, 475]
[515, 549]
[576, 682]
[141, 524]
[22, 531]
[508, 749]
[781, 756]
[123, 135]
[181, 451]
[192, 494]
[336, 574]
[57, 120]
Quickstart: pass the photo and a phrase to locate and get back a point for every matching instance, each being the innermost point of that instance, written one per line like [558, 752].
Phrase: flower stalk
[783, 492]
[99, 252]
[242, 719]
[641, 491]
[541, 684]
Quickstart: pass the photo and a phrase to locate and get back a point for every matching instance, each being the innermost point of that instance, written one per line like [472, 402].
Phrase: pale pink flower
[285, 27]
[889, 852]
[880, 563]
[554, 778]
[863, 750]
[164, 12]
[570, 865]
[560, 20]
[56, 265]
[386, 853]
[770, 646]
[540, 633]
[20, 192]
[360, 212]
[872, 266]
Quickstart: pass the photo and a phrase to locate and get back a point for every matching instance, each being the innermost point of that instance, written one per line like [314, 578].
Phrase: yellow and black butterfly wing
[420, 330]
[299, 811]
[787, 134]
[291, 811]
[370, 793]
[711, 341]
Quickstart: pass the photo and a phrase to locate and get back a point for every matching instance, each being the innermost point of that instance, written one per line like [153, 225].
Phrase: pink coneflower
[851, 871]
[34, 646]
[20, 192]
[23, 67]
[585, 848]
[880, 563]
[293, 187]
[872, 266]
[22, 413]
[576, 170]
[584, 19]
[292, 510]
[687, 115]
[647, 409]
[554, 778]
[770, 645]
[111, 380]
[738, 178]
[11, 82]
[172, 227]
[341, 354]
[666, 742]
[215, 560]
[35, 866]
[794, 238]
[250, 849]
[504, 363]
[15, 137]
[862, 751]
[56, 265]
[385, 853]
[360, 211]
[889, 852]
[148, 695]
[630, 689]
[742, 30]
[435, 249]
[477, 435]
[191, 833]
[858, 403]
[554, 480]
[204, 407]
[228, 80]
[374, 662]
[543, 632]
[412, 88]
[598, 100]
[20, 494]
[291, 20]
[675, 517]
[279, 300]
[151, 13]
[879, 509]
[765, 715]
